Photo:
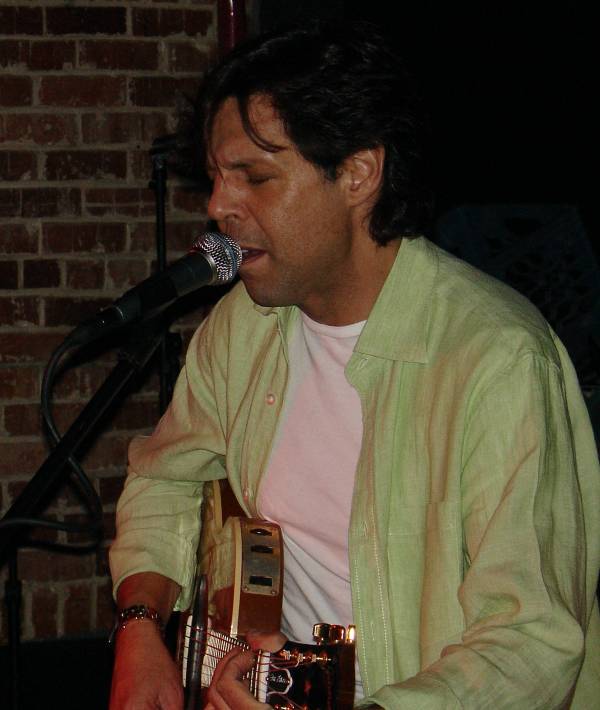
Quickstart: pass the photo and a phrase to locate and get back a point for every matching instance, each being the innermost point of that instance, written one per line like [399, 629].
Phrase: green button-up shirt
[474, 539]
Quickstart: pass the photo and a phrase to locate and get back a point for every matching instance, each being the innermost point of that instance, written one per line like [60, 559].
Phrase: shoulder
[473, 310]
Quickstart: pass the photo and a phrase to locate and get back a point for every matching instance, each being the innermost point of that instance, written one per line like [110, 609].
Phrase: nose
[224, 204]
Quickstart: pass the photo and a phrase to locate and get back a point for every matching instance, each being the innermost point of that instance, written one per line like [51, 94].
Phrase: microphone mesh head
[223, 252]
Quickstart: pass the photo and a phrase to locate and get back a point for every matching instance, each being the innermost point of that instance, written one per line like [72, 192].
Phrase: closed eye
[257, 179]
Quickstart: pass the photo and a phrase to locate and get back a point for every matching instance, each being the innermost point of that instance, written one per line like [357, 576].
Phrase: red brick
[160, 90]
[71, 311]
[28, 347]
[166, 21]
[15, 91]
[125, 273]
[46, 56]
[77, 165]
[180, 236]
[10, 203]
[21, 20]
[43, 566]
[18, 165]
[18, 238]
[22, 419]
[44, 607]
[189, 200]
[19, 310]
[122, 127]
[82, 91]
[107, 451]
[143, 237]
[66, 413]
[141, 166]
[41, 129]
[86, 20]
[136, 415]
[21, 458]
[85, 274]
[41, 273]
[115, 54]
[9, 275]
[131, 202]
[50, 202]
[14, 53]
[186, 57]
[84, 237]
[19, 382]
[80, 382]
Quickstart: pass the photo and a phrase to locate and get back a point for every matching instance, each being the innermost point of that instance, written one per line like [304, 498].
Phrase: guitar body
[240, 587]
[243, 562]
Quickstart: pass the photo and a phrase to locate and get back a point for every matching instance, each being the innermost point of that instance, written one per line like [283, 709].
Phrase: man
[414, 426]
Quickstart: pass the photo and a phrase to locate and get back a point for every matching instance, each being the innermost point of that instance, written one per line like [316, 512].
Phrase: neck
[357, 292]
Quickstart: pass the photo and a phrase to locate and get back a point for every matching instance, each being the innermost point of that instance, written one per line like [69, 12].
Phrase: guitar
[240, 587]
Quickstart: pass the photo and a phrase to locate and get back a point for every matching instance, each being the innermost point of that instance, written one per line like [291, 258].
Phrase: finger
[227, 689]
[261, 641]
[223, 663]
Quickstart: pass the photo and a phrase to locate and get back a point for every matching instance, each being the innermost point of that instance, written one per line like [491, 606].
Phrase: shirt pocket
[425, 570]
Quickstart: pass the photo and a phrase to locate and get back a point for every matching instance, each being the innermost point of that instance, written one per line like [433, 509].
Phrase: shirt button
[270, 399]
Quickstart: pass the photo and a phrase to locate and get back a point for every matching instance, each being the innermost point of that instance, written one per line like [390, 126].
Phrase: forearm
[144, 673]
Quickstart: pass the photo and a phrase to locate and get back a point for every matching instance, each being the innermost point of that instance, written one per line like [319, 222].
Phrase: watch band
[137, 612]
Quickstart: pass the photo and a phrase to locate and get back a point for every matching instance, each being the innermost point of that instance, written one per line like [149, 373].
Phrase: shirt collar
[398, 324]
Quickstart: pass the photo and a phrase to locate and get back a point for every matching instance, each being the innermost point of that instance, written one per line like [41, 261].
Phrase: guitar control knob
[329, 633]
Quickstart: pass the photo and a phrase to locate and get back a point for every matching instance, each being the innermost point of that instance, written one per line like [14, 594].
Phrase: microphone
[214, 259]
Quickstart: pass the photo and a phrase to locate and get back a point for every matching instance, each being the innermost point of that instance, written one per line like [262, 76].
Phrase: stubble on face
[282, 209]
[306, 237]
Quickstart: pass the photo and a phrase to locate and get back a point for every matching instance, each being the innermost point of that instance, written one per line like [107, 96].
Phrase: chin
[267, 299]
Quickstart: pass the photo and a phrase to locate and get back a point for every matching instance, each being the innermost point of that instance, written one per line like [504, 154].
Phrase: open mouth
[250, 254]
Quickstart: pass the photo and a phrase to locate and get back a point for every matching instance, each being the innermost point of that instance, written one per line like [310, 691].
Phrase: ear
[363, 173]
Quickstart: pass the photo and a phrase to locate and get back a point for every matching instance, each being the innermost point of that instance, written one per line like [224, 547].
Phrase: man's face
[292, 223]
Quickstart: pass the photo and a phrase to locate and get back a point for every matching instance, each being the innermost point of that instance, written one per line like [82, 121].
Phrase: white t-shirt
[307, 487]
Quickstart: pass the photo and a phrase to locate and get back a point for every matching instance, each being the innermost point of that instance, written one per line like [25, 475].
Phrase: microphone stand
[145, 338]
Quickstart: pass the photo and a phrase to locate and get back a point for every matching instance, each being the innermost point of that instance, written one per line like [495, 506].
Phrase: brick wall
[84, 89]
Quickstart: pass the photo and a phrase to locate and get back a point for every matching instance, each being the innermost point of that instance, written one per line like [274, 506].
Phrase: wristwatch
[137, 612]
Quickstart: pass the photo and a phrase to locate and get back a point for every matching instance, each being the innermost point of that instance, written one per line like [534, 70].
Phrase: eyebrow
[238, 164]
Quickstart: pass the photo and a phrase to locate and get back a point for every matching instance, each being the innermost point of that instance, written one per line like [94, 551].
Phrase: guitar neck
[317, 677]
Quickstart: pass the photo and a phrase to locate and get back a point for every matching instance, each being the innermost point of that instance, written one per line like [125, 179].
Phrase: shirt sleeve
[158, 513]
[524, 591]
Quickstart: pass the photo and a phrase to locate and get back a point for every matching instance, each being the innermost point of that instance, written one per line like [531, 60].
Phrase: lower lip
[250, 255]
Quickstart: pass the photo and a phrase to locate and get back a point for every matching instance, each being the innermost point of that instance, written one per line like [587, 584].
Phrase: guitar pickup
[261, 557]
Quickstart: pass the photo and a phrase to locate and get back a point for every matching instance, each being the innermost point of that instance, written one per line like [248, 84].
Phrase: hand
[227, 690]
[145, 677]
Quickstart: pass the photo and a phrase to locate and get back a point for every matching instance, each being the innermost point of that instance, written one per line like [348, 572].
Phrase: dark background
[509, 87]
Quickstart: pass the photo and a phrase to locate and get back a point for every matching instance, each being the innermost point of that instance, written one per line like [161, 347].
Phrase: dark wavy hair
[338, 88]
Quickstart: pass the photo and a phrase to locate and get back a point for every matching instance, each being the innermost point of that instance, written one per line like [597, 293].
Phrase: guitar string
[229, 643]
[218, 644]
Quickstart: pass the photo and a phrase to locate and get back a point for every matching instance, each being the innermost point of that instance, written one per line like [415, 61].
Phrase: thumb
[265, 641]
